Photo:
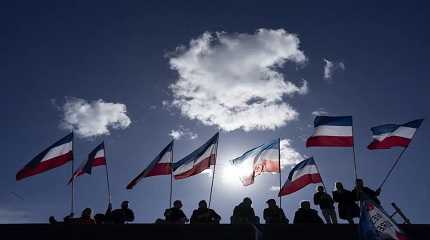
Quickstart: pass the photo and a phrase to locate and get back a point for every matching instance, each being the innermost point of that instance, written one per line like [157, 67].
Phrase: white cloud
[232, 80]
[89, 119]
[182, 132]
[275, 188]
[319, 112]
[289, 155]
[331, 67]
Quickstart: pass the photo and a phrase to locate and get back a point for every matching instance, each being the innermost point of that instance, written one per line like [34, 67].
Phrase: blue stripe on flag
[413, 124]
[300, 165]
[333, 121]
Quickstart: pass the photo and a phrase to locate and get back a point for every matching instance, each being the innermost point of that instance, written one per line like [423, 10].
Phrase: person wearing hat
[244, 213]
[175, 214]
[204, 214]
[274, 214]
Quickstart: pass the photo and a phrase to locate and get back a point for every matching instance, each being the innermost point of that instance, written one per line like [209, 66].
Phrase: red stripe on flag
[44, 166]
[329, 141]
[300, 183]
[98, 161]
[389, 142]
[159, 169]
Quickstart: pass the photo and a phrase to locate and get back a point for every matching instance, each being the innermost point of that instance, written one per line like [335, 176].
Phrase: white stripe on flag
[308, 169]
[270, 154]
[329, 130]
[188, 166]
[58, 151]
[166, 158]
[100, 153]
[405, 132]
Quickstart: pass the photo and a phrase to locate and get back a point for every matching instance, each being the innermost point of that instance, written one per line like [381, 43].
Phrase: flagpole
[392, 167]
[171, 175]
[322, 181]
[73, 180]
[280, 177]
[107, 174]
[213, 173]
[353, 152]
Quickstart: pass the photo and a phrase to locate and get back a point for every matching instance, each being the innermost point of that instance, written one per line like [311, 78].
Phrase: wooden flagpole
[353, 152]
[171, 176]
[280, 177]
[213, 173]
[392, 167]
[107, 174]
[73, 180]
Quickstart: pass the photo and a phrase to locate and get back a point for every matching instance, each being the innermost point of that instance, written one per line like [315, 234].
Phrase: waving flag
[264, 158]
[394, 135]
[331, 132]
[303, 174]
[54, 156]
[375, 224]
[95, 158]
[197, 161]
[161, 165]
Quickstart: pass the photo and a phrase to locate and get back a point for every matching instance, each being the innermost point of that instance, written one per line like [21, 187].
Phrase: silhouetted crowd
[346, 200]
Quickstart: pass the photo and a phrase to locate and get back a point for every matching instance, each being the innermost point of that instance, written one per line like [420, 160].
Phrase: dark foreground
[191, 232]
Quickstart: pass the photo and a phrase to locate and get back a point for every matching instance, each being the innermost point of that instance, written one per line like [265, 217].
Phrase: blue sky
[57, 53]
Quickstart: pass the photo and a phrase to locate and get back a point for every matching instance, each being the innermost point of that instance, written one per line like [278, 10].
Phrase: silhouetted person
[204, 214]
[175, 215]
[86, 217]
[123, 215]
[347, 208]
[274, 214]
[99, 218]
[69, 219]
[244, 213]
[360, 188]
[52, 220]
[326, 204]
[306, 215]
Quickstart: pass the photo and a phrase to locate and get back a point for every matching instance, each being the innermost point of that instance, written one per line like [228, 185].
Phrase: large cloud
[89, 119]
[233, 80]
[289, 155]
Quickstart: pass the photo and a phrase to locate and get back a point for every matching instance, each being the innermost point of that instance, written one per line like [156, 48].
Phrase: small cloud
[182, 132]
[331, 67]
[90, 119]
[275, 188]
[319, 112]
[153, 107]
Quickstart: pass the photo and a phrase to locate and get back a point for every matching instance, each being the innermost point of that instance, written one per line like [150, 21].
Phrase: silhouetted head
[124, 204]
[320, 188]
[52, 220]
[359, 182]
[247, 201]
[305, 204]
[203, 204]
[86, 213]
[271, 202]
[338, 186]
[177, 204]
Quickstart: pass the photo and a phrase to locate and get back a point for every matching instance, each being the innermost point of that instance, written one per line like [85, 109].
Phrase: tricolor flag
[304, 173]
[161, 165]
[95, 158]
[197, 161]
[54, 156]
[394, 135]
[331, 132]
[264, 158]
[375, 224]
